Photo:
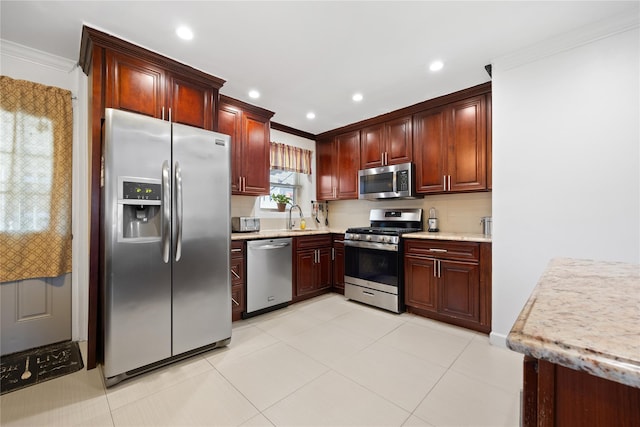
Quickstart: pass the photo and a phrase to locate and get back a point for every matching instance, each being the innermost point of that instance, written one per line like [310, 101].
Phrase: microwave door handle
[395, 182]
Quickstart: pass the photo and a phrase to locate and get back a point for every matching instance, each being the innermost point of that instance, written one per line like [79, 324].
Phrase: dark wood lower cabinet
[449, 282]
[557, 396]
[338, 263]
[238, 282]
[312, 266]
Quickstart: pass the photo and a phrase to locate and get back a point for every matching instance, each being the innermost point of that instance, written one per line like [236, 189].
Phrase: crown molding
[35, 56]
[567, 41]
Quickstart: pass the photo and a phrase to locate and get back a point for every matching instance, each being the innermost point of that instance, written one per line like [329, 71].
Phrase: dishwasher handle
[276, 246]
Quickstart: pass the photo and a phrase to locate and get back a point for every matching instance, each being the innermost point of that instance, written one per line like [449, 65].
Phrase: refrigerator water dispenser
[141, 221]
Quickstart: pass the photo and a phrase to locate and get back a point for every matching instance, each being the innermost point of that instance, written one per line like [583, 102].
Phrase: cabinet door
[420, 283]
[324, 269]
[134, 85]
[467, 145]
[398, 138]
[230, 123]
[191, 103]
[429, 150]
[255, 154]
[372, 146]
[347, 148]
[338, 266]
[305, 272]
[325, 181]
[459, 290]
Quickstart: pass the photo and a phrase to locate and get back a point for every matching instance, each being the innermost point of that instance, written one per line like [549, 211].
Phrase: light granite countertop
[271, 234]
[584, 315]
[462, 237]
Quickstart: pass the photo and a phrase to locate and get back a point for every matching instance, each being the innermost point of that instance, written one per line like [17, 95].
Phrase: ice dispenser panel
[140, 205]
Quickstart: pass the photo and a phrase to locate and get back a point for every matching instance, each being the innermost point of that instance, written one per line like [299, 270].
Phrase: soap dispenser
[432, 222]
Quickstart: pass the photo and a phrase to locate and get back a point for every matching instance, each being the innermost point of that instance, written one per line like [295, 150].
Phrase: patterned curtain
[289, 158]
[36, 136]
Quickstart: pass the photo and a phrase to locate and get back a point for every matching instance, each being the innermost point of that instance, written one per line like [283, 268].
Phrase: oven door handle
[371, 245]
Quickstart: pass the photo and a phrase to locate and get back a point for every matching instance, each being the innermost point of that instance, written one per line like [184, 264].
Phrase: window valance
[289, 158]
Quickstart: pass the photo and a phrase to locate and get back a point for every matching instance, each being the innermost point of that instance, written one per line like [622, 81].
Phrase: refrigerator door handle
[178, 174]
[166, 212]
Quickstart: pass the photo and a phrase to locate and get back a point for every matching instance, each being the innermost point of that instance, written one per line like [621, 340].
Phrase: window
[36, 138]
[282, 182]
[26, 169]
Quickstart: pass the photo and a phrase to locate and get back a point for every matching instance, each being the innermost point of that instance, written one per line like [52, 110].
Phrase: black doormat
[19, 370]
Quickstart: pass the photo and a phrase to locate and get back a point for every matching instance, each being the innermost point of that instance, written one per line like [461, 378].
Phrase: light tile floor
[323, 362]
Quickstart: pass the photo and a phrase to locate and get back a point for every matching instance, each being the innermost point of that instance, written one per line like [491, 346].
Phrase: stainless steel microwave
[387, 182]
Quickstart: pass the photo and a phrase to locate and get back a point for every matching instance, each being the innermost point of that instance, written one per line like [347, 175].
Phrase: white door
[35, 312]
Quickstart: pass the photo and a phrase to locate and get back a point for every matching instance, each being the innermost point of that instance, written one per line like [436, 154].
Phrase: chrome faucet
[290, 222]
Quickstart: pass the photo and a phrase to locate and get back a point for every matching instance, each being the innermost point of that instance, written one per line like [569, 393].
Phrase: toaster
[245, 224]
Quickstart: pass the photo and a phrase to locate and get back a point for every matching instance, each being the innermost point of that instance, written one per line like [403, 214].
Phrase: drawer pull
[442, 251]
[234, 301]
[235, 274]
[369, 293]
[236, 250]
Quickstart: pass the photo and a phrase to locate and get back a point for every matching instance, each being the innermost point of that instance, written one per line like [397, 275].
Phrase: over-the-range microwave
[387, 182]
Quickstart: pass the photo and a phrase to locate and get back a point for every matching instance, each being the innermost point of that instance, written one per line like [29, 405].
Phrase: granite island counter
[580, 334]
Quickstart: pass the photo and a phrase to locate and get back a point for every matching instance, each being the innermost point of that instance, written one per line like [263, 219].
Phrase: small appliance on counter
[245, 224]
[432, 222]
[486, 225]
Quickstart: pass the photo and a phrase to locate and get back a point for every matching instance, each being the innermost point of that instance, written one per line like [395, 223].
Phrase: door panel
[35, 312]
[429, 142]
[134, 85]
[467, 146]
[201, 275]
[256, 152]
[420, 283]
[191, 104]
[137, 283]
[458, 290]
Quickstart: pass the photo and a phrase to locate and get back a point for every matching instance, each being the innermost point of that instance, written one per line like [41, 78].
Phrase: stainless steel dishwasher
[269, 274]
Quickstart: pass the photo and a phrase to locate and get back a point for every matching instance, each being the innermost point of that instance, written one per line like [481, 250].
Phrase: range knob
[355, 236]
[368, 236]
[386, 239]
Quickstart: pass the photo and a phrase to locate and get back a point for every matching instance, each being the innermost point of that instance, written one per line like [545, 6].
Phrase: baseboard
[499, 340]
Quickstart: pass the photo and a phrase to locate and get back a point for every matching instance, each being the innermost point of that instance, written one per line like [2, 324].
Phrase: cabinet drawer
[463, 251]
[313, 242]
[237, 249]
[237, 271]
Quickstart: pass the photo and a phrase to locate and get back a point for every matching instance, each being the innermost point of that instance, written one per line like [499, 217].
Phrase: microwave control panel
[403, 180]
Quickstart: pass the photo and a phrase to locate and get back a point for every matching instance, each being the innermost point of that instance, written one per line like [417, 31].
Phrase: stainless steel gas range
[373, 258]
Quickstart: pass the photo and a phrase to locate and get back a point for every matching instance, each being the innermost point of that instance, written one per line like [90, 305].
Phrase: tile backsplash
[456, 212]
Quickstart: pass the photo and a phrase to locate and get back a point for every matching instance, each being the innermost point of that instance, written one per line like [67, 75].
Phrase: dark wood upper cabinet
[249, 127]
[338, 161]
[144, 87]
[387, 143]
[191, 103]
[450, 146]
[133, 85]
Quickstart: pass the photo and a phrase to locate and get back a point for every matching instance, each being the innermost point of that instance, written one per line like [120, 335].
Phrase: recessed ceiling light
[184, 33]
[436, 66]
[254, 94]
[311, 115]
[357, 97]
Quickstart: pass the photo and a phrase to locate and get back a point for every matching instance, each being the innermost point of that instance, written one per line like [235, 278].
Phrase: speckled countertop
[584, 315]
[271, 234]
[464, 237]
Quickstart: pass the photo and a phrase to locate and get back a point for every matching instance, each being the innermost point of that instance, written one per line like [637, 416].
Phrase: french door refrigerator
[166, 236]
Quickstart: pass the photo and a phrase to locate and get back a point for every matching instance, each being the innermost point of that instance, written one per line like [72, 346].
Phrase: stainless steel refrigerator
[166, 256]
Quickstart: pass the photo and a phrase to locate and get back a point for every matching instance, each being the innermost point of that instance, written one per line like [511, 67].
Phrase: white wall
[566, 161]
[21, 62]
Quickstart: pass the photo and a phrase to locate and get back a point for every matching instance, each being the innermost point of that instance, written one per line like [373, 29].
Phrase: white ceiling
[313, 55]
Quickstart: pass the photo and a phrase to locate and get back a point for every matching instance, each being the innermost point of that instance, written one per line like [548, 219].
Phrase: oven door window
[372, 264]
